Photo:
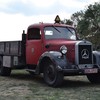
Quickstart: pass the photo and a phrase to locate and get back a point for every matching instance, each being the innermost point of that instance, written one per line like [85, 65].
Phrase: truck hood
[72, 46]
[56, 44]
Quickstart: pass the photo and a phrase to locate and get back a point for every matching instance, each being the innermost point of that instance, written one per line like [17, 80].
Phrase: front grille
[85, 54]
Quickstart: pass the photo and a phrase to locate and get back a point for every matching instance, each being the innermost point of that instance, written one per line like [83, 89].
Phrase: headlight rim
[63, 49]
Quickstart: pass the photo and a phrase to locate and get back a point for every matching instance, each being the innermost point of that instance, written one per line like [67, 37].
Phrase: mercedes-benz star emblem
[85, 54]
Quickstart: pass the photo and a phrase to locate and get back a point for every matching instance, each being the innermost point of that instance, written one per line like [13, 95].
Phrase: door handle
[47, 46]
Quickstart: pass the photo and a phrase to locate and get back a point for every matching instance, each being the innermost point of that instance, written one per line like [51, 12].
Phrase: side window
[34, 34]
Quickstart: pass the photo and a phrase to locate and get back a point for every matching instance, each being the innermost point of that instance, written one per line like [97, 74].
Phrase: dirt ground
[23, 86]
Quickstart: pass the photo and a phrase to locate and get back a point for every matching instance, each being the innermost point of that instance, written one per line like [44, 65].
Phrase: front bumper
[84, 71]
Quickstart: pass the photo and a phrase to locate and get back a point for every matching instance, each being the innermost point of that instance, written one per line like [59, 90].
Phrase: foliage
[67, 21]
[88, 23]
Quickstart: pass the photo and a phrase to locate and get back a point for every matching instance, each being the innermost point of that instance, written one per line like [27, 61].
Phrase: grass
[23, 86]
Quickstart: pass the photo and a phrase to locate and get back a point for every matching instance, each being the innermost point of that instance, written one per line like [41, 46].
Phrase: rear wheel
[94, 78]
[4, 71]
[51, 75]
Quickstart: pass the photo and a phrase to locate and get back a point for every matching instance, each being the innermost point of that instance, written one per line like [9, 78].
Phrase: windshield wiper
[56, 29]
[69, 30]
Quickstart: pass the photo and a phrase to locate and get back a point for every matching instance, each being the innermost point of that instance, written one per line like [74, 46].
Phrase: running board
[31, 71]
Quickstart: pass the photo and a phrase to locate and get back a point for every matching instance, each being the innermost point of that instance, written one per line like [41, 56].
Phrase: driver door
[33, 46]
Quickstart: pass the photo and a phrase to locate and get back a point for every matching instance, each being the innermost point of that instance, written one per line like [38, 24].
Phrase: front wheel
[51, 75]
[94, 78]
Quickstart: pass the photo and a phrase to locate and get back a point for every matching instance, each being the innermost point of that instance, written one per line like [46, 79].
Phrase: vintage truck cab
[55, 50]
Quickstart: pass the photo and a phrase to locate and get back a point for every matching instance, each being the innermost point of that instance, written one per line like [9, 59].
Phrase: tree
[67, 21]
[92, 15]
[88, 22]
[77, 17]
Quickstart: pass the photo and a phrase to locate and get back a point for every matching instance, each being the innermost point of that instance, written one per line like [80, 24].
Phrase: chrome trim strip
[82, 66]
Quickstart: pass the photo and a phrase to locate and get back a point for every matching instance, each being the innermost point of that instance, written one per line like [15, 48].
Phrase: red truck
[51, 49]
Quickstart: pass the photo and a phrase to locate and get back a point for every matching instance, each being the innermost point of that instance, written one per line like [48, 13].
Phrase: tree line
[87, 23]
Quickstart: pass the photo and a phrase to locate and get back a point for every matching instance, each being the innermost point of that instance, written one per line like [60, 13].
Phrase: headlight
[63, 49]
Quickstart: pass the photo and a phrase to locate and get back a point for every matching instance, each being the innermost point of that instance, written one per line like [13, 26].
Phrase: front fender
[56, 57]
[96, 58]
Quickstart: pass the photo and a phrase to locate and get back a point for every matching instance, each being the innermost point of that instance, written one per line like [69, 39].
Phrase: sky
[17, 15]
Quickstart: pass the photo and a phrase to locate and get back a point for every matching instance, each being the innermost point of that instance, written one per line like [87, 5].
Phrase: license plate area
[89, 71]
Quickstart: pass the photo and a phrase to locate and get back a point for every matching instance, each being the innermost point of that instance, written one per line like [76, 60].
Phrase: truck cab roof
[41, 24]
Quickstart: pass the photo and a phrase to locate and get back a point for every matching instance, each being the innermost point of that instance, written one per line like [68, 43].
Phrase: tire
[94, 78]
[4, 71]
[52, 76]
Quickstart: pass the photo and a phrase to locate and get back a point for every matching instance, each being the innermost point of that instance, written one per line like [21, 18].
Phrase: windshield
[53, 32]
